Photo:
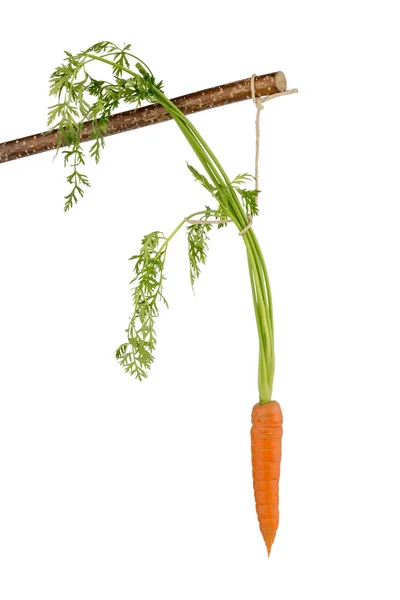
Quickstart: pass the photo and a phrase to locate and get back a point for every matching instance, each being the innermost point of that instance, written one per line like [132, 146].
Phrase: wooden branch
[237, 91]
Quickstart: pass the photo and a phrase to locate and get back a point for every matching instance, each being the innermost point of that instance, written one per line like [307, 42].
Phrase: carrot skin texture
[266, 453]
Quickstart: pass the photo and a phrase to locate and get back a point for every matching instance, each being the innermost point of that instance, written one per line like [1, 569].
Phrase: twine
[259, 102]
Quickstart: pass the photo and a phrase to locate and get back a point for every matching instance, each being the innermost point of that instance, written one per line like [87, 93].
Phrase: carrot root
[266, 452]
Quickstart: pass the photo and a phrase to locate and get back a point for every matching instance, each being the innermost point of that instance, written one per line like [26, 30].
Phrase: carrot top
[81, 97]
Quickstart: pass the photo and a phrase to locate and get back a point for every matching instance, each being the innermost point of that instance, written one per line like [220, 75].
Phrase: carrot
[266, 442]
[80, 96]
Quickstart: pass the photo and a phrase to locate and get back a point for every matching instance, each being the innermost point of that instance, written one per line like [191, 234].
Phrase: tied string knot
[259, 102]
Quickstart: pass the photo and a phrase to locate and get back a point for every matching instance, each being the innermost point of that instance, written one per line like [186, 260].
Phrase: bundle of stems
[80, 97]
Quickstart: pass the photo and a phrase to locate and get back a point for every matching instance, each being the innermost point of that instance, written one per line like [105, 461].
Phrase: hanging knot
[257, 100]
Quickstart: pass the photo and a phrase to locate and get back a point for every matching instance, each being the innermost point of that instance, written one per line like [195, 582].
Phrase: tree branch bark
[229, 93]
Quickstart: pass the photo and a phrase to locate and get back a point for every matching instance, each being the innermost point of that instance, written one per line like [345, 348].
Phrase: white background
[111, 489]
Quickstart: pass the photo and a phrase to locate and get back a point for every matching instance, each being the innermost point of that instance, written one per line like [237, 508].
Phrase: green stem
[259, 281]
[113, 64]
[258, 274]
[177, 228]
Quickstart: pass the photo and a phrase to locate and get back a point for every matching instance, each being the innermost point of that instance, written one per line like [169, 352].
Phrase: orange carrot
[266, 442]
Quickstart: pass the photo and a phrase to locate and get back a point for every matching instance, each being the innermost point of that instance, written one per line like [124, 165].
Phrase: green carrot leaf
[82, 97]
[249, 200]
[241, 178]
[202, 179]
[198, 244]
[136, 355]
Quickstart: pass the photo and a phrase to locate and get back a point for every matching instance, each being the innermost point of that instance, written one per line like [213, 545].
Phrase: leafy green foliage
[76, 178]
[220, 213]
[198, 232]
[202, 179]
[81, 97]
[249, 197]
[137, 354]
[241, 178]
[198, 244]
[249, 200]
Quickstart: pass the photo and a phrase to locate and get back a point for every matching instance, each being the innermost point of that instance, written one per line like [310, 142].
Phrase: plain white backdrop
[112, 489]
